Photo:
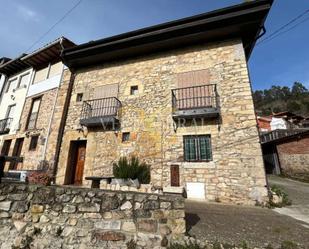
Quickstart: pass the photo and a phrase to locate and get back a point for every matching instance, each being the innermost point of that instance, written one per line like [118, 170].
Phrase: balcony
[5, 125]
[195, 102]
[100, 112]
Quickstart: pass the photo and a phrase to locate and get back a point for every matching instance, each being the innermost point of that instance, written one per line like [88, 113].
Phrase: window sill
[195, 165]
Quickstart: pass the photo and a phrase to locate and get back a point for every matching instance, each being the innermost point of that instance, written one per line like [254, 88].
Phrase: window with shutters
[197, 148]
[33, 142]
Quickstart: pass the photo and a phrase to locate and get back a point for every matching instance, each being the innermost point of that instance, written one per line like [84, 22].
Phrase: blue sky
[280, 61]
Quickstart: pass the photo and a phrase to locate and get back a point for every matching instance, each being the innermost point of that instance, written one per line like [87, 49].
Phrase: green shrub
[188, 245]
[132, 169]
[285, 200]
[288, 245]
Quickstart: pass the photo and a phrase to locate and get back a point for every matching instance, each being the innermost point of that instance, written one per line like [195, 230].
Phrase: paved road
[298, 192]
[257, 226]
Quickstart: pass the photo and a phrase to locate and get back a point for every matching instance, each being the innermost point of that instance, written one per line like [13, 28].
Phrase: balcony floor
[104, 121]
[208, 112]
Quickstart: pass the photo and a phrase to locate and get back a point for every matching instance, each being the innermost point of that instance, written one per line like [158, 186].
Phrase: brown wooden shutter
[193, 78]
[175, 182]
[106, 91]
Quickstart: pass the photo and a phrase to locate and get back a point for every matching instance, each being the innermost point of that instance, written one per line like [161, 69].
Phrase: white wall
[15, 96]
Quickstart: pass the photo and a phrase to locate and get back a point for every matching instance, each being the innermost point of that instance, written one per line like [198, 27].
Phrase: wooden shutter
[193, 78]
[175, 176]
[106, 91]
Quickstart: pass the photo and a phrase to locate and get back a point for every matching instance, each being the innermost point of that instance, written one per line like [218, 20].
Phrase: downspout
[62, 125]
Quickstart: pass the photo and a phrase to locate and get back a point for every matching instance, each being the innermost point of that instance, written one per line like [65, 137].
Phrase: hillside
[282, 98]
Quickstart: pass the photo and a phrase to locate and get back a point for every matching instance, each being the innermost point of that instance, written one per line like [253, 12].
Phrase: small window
[125, 136]
[11, 85]
[79, 97]
[197, 148]
[134, 90]
[33, 142]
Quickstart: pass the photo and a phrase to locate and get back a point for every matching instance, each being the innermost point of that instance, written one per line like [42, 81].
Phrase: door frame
[72, 160]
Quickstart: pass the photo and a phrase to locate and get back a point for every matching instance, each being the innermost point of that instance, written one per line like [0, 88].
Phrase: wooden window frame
[29, 115]
[79, 97]
[197, 145]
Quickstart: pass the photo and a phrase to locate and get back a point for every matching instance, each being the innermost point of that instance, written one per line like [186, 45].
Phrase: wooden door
[80, 162]
[175, 176]
[17, 152]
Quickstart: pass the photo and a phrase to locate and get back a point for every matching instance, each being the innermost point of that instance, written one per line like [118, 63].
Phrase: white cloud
[26, 13]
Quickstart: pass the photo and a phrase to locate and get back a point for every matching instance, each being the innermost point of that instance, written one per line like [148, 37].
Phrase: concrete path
[234, 224]
[298, 192]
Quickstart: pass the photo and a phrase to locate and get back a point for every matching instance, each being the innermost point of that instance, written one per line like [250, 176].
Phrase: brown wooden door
[17, 152]
[175, 175]
[80, 162]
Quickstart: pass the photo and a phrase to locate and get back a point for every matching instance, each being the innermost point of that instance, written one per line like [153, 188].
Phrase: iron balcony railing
[195, 97]
[99, 108]
[278, 134]
[5, 125]
[32, 121]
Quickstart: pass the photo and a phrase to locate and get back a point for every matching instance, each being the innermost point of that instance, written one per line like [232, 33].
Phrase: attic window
[79, 97]
[134, 90]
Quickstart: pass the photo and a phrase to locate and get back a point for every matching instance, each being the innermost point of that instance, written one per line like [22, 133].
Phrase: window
[197, 148]
[125, 136]
[10, 111]
[33, 115]
[6, 147]
[11, 85]
[79, 97]
[33, 142]
[134, 90]
[23, 80]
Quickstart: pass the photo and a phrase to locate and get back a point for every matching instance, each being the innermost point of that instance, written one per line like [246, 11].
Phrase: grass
[279, 192]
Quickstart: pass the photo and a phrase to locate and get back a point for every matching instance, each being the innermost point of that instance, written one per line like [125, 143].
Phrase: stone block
[5, 205]
[128, 226]
[147, 225]
[89, 207]
[35, 209]
[69, 209]
[108, 224]
[109, 236]
[125, 206]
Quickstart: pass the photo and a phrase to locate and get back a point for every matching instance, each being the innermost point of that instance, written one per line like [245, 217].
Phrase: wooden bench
[97, 179]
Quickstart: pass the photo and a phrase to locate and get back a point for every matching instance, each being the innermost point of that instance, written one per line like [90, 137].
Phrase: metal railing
[193, 97]
[100, 108]
[32, 121]
[5, 125]
[279, 134]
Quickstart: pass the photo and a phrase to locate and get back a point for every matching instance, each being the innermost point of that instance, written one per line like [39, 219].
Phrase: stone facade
[294, 157]
[236, 173]
[63, 217]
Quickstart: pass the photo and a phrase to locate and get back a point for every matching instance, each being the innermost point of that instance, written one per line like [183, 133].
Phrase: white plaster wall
[44, 85]
[15, 97]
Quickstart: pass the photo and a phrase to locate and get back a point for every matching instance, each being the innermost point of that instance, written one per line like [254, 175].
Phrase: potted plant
[131, 172]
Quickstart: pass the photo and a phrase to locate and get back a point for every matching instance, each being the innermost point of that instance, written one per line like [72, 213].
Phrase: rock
[44, 219]
[137, 205]
[20, 206]
[2, 197]
[108, 225]
[92, 216]
[150, 205]
[18, 197]
[36, 209]
[5, 205]
[91, 194]
[164, 230]
[127, 205]
[128, 226]
[89, 207]
[107, 215]
[64, 198]
[173, 190]
[67, 231]
[72, 221]
[149, 226]
[69, 209]
[164, 242]
[179, 204]
[78, 199]
[109, 236]
[20, 226]
[165, 205]
[110, 203]
[178, 226]
[5, 215]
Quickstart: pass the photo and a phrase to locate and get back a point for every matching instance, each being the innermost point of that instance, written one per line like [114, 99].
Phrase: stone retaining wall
[33, 216]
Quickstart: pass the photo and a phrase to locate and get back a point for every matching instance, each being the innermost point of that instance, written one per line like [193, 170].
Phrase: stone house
[178, 96]
[40, 107]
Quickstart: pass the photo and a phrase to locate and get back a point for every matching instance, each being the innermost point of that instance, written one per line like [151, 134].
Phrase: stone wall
[236, 173]
[64, 217]
[294, 157]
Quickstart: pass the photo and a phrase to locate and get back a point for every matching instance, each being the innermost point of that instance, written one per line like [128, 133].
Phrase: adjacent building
[32, 105]
[178, 96]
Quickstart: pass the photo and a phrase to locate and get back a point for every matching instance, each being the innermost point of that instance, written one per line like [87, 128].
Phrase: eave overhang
[243, 21]
[48, 54]
[14, 66]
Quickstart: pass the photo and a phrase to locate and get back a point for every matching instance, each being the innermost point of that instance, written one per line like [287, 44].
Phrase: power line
[275, 33]
[285, 31]
[54, 25]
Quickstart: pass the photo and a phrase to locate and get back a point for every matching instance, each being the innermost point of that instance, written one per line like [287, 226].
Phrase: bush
[279, 192]
[132, 169]
[188, 245]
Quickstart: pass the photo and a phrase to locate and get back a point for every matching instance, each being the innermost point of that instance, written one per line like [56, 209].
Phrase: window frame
[79, 97]
[20, 78]
[125, 137]
[134, 90]
[8, 85]
[197, 148]
[29, 115]
[33, 143]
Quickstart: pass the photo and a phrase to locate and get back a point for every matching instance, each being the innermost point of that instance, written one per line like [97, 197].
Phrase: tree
[298, 89]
